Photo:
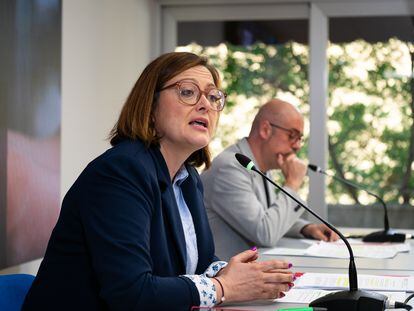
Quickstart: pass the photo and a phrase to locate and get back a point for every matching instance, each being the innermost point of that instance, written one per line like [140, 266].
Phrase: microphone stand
[347, 300]
[385, 235]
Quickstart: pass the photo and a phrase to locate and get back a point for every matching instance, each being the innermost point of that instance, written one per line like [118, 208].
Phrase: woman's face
[182, 127]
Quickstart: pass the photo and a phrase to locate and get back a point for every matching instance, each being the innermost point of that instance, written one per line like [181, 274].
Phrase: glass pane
[371, 130]
[259, 60]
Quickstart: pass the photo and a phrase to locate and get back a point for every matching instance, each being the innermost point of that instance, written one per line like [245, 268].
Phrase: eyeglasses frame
[294, 135]
[201, 92]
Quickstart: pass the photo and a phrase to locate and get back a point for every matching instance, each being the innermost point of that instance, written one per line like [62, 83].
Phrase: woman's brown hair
[136, 120]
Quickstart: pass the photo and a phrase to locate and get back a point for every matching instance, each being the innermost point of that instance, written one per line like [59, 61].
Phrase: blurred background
[68, 67]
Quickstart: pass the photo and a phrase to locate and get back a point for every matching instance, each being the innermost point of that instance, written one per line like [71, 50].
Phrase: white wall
[105, 46]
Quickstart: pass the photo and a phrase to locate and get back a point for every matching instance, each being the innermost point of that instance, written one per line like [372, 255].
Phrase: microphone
[347, 300]
[385, 235]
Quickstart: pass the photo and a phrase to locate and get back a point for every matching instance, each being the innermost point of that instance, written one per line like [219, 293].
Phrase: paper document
[308, 295]
[366, 250]
[338, 249]
[332, 281]
[284, 251]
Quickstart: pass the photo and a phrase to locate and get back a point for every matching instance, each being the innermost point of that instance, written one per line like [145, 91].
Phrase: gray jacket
[236, 204]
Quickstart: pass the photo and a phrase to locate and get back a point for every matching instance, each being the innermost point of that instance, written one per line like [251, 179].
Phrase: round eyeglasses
[189, 93]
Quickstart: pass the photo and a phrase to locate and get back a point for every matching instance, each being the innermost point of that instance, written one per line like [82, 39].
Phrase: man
[242, 208]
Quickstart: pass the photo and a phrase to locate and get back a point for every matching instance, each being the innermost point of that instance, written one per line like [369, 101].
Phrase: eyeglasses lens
[216, 98]
[190, 94]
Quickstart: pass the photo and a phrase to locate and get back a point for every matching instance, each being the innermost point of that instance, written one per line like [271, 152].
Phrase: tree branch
[338, 168]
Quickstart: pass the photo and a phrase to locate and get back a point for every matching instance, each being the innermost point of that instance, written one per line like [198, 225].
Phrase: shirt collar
[181, 175]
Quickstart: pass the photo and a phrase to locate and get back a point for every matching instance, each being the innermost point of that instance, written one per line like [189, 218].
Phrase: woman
[133, 233]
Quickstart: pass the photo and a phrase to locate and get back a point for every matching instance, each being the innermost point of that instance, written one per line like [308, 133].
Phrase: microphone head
[245, 161]
[314, 167]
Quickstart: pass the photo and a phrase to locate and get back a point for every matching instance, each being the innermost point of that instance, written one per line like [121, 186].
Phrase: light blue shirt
[187, 222]
[205, 287]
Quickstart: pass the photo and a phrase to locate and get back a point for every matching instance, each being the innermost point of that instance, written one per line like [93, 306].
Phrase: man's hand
[319, 232]
[293, 169]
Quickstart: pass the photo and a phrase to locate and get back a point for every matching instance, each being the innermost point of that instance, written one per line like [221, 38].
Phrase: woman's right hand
[245, 279]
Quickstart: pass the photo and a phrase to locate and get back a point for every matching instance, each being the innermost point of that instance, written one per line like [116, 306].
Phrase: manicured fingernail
[294, 277]
[291, 285]
[290, 265]
[254, 248]
[281, 295]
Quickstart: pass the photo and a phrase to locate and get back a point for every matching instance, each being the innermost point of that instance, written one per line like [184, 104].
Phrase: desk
[401, 264]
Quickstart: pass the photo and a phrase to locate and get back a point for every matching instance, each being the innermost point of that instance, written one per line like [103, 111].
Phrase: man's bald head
[276, 134]
[277, 111]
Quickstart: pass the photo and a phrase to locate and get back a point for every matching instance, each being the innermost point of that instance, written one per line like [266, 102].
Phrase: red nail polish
[291, 285]
[290, 265]
[281, 295]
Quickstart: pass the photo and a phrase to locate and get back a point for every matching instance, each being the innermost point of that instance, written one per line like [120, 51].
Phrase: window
[346, 64]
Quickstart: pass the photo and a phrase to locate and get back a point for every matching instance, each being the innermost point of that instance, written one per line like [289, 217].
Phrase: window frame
[318, 12]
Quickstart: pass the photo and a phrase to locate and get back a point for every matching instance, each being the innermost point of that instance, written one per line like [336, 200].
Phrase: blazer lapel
[260, 190]
[170, 209]
[194, 201]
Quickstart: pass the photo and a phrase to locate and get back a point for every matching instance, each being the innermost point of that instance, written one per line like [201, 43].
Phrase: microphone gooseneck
[351, 300]
[353, 280]
[380, 236]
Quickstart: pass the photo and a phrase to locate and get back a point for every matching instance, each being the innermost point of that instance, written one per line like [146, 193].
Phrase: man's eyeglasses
[189, 93]
[294, 135]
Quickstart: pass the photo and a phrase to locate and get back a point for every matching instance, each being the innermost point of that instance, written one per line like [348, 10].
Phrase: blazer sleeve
[116, 204]
[235, 201]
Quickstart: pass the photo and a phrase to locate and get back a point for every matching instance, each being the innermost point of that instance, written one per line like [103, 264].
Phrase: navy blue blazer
[119, 242]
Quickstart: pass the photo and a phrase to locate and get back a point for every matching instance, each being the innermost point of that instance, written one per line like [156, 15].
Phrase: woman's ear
[152, 120]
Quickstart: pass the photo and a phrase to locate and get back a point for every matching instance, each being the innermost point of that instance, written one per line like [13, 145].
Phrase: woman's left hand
[245, 279]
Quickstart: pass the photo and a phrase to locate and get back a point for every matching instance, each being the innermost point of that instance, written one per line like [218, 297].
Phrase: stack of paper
[360, 249]
[339, 250]
[330, 281]
[311, 286]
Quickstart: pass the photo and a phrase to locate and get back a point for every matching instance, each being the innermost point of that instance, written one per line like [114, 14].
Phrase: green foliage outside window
[370, 110]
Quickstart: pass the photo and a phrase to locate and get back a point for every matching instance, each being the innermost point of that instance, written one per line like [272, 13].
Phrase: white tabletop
[402, 264]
